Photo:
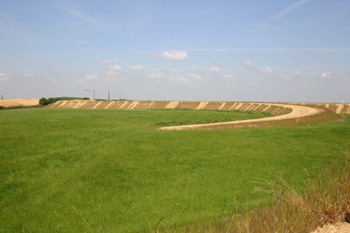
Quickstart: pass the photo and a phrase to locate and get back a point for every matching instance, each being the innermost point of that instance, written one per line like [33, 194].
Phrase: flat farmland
[112, 170]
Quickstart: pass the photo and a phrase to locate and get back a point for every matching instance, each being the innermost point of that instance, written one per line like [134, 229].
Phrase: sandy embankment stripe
[268, 106]
[238, 106]
[55, 104]
[150, 104]
[340, 107]
[233, 106]
[252, 107]
[133, 104]
[172, 104]
[109, 104]
[297, 112]
[122, 106]
[63, 104]
[222, 106]
[96, 105]
[81, 104]
[202, 105]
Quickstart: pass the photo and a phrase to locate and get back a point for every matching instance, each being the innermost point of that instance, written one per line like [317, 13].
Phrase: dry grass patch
[325, 199]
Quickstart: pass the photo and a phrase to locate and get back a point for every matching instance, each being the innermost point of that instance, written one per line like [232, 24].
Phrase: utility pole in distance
[108, 95]
[94, 91]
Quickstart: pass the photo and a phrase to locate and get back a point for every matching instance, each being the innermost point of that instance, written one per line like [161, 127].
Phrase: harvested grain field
[19, 102]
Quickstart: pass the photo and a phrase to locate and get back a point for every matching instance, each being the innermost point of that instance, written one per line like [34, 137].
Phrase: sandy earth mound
[19, 102]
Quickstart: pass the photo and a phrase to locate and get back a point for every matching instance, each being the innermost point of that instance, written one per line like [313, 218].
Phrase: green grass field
[110, 170]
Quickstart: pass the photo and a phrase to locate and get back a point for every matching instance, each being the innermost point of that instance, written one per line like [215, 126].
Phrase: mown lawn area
[113, 169]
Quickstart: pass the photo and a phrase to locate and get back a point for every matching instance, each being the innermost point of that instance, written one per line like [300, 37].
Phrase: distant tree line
[43, 101]
[19, 107]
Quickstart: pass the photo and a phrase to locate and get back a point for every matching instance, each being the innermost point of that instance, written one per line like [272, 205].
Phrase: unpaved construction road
[298, 111]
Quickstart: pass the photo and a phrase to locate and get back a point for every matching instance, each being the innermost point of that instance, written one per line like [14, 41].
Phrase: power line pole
[108, 95]
[94, 91]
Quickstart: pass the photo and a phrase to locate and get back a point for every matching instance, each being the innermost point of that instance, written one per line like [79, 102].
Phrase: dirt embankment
[19, 102]
[211, 105]
[285, 114]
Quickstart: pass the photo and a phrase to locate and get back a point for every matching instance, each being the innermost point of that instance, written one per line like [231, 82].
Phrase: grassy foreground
[76, 170]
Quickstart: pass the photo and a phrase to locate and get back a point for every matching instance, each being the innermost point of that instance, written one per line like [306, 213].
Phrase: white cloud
[4, 77]
[215, 69]
[196, 77]
[53, 80]
[327, 75]
[136, 67]
[155, 76]
[91, 77]
[28, 75]
[321, 49]
[266, 70]
[247, 63]
[290, 8]
[112, 73]
[88, 77]
[115, 67]
[219, 62]
[180, 79]
[231, 76]
[174, 55]
[298, 72]
[105, 61]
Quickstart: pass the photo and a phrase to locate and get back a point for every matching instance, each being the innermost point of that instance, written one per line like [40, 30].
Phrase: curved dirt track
[297, 112]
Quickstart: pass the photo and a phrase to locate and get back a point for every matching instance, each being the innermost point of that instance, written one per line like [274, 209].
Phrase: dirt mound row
[243, 106]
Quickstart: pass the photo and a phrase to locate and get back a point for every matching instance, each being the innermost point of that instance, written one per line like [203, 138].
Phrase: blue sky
[286, 50]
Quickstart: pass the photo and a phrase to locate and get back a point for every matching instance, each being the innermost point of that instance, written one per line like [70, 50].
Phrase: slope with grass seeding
[284, 114]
